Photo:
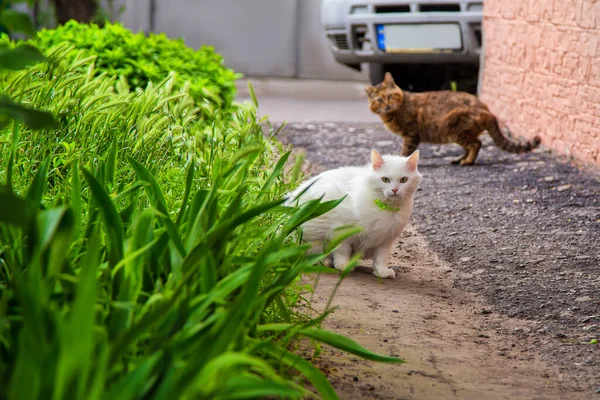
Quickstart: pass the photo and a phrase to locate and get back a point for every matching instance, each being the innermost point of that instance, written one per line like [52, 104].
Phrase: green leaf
[76, 198]
[48, 223]
[25, 379]
[14, 210]
[311, 372]
[17, 21]
[309, 210]
[33, 119]
[141, 327]
[227, 365]
[158, 201]
[112, 221]
[333, 339]
[131, 385]
[276, 171]
[251, 387]
[252, 94]
[78, 337]
[111, 163]
[341, 234]
[13, 154]
[36, 189]
[283, 311]
[20, 57]
[189, 180]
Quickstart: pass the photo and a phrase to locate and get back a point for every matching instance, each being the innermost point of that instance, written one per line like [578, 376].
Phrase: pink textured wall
[542, 71]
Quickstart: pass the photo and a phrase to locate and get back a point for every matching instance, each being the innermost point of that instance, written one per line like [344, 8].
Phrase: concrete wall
[256, 37]
[542, 71]
[136, 14]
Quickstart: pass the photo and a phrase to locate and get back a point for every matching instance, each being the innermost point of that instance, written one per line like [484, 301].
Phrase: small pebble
[355, 379]
[395, 311]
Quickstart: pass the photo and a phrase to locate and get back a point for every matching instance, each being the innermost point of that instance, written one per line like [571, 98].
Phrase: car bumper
[357, 41]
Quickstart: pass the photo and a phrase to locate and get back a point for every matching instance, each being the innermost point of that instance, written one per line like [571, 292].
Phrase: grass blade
[158, 201]
[251, 387]
[36, 189]
[112, 221]
[14, 210]
[333, 339]
[189, 180]
[76, 198]
[276, 172]
[312, 373]
[111, 163]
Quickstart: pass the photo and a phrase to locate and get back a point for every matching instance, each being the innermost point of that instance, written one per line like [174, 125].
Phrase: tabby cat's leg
[410, 145]
[342, 255]
[472, 146]
[459, 159]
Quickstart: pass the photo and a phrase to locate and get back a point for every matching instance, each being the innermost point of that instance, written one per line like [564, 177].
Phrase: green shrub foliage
[142, 59]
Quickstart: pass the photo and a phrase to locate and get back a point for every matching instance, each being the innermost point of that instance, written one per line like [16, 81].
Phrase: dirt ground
[497, 294]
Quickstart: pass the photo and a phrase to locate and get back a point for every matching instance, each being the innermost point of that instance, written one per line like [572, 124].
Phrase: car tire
[376, 73]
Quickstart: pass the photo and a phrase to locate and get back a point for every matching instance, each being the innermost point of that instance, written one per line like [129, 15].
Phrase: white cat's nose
[395, 190]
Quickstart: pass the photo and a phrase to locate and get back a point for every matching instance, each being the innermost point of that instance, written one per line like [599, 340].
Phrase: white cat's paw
[386, 273]
[340, 263]
[327, 262]
[339, 266]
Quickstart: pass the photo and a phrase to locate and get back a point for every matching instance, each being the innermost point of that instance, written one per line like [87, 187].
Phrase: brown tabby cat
[439, 117]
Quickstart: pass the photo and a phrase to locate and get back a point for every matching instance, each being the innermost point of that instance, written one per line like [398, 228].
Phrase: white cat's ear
[412, 161]
[376, 160]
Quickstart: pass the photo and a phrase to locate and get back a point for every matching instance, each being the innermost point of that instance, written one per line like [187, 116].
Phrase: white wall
[256, 37]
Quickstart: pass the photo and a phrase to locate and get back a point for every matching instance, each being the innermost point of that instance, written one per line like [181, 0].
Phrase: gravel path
[522, 231]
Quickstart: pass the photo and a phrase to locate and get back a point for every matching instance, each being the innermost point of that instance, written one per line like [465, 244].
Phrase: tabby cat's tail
[509, 144]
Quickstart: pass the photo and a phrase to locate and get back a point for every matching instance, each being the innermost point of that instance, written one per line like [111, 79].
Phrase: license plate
[419, 38]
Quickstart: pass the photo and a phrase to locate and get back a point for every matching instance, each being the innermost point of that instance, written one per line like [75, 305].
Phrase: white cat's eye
[403, 179]
[385, 179]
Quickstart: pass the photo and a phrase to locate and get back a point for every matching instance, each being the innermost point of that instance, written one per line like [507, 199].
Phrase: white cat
[379, 199]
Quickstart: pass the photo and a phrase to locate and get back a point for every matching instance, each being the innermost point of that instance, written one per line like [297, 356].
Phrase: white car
[405, 36]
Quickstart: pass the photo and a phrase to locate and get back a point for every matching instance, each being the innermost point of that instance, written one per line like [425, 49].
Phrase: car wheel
[376, 73]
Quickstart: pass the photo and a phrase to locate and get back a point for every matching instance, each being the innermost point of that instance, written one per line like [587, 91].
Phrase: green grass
[146, 254]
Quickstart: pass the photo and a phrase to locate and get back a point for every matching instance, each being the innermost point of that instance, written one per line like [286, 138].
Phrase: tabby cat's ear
[388, 78]
[376, 160]
[369, 90]
[412, 161]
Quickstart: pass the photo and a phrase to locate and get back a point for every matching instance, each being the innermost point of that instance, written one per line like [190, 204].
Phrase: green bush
[142, 59]
[175, 280]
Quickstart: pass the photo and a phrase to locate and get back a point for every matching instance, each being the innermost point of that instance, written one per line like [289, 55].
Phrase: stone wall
[542, 71]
